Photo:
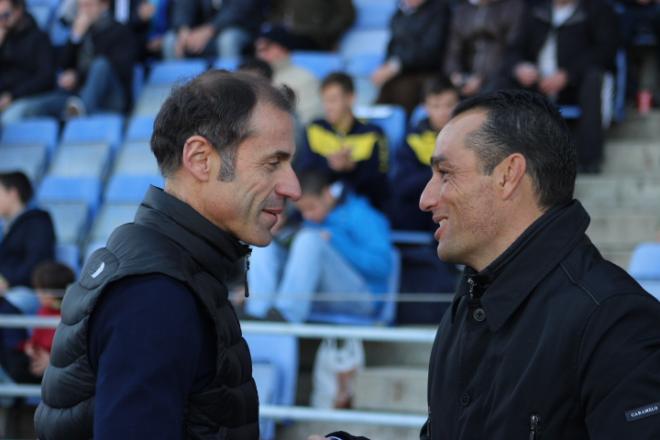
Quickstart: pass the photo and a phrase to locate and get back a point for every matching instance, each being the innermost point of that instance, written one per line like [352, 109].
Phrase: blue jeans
[102, 91]
[227, 44]
[289, 280]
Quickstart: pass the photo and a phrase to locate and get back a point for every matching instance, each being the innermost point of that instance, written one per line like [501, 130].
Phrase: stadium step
[391, 389]
[632, 193]
[625, 157]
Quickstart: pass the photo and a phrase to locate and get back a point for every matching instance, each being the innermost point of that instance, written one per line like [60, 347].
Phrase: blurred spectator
[149, 21]
[480, 33]
[274, 46]
[415, 51]
[212, 28]
[640, 17]
[563, 51]
[50, 279]
[343, 249]
[313, 24]
[97, 64]
[412, 162]
[353, 151]
[27, 63]
[29, 237]
[257, 67]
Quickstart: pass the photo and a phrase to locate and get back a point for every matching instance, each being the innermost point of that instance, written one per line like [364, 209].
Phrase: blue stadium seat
[173, 72]
[391, 118]
[140, 129]
[105, 128]
[418, 115]
[645, 262]
[82, 160]
[111, 215]
[136, 158]
[70, 220]
[319, 63]
[280, 352]
[652, 287]
[363, 65]
[35, 131]
[42, 11]
[374, 14]
[62, 189]
[31, 159]
[130, 189]
[69, 254]
[226, 63]
[150, 100]
[359, 42]
[385, 311]
[570, 111]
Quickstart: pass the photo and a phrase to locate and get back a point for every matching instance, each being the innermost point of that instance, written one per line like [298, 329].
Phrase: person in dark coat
[27, 62]
[149, 345]
[545, 338]
[211, 28]
[415, 52]
[97, 66]
[563, 51]
[29, 236]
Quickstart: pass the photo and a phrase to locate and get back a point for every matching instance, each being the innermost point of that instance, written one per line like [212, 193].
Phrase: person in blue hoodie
[341, 256]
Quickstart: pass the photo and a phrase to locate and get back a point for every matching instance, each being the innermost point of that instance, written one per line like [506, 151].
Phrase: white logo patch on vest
[99, 270]
[643, 412]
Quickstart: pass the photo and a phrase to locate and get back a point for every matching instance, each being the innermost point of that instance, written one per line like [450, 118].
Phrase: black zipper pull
[534, 423]
[245, 273]
[428, 424]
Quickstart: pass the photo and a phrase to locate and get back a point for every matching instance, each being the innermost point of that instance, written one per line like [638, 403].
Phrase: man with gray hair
[149, 345]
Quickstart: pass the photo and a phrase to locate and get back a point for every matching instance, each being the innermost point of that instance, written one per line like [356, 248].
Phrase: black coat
[589, 39]
[29, 241]
[107, 38]
[27, 61]
[418, 39]
[550, 339]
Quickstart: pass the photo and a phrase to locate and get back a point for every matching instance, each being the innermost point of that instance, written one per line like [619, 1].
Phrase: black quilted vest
[171, 238]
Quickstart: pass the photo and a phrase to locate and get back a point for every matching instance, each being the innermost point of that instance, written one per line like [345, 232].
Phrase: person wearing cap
[274, 46]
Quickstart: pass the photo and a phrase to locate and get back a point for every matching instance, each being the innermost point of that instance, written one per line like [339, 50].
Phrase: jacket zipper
[534, 423]
[245, 273]
[470, 282]
[428, 425]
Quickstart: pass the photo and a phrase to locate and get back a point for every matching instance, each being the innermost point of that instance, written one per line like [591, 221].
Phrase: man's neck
[345, 123]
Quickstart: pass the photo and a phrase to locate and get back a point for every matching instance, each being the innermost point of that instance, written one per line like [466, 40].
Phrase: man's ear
[197, 157]
[509, 175]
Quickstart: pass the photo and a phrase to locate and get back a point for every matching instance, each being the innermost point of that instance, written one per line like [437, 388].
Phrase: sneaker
[74, 108]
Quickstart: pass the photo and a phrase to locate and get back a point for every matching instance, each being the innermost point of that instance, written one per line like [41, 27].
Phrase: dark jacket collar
[508, 280]
[543, 12]
[208, 244]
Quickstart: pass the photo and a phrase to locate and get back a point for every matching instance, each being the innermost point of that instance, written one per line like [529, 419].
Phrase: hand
[527, 74]
[555, 83]
[181, 42]
[384, 73]
[145, 11]
[472, 85]
[4, 285]
[341, 161]
[325, 235]
[5, 101]
[81, 23]
[68, 80]
[39, 360]
[199, 38]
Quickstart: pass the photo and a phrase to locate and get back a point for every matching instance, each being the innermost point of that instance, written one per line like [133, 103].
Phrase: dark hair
[19, 181]
[314, 181]
[260, 67]
[523, 122]
[217, 105]
[437, 85]
[18, 4]
[341, 79]
[52, 275]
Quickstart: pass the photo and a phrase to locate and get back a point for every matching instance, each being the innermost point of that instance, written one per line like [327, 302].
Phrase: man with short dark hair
[28, 237]
[544, 338]
[353, 151]
[26, 57]
[149, 345]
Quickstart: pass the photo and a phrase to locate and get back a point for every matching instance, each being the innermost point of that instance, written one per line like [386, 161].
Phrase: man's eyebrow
[279, 154]
[438, 160]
